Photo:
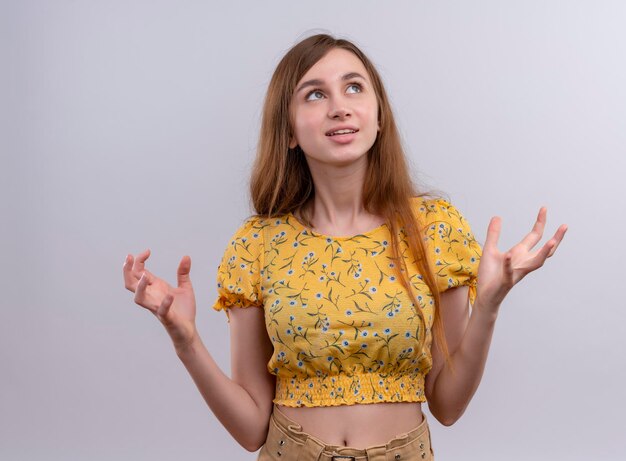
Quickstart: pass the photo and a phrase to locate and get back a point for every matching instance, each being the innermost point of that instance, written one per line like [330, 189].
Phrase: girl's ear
[293, 143]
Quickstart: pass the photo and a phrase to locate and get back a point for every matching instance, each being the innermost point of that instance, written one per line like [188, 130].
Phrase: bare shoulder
[251, 350]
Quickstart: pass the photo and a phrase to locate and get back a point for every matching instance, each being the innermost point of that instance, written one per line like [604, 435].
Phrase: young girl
[347, 293]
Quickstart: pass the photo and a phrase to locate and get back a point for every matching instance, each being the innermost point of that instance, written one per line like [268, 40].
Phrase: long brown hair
[281, 182]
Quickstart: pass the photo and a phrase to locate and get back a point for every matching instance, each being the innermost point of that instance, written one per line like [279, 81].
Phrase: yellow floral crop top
[344, 329]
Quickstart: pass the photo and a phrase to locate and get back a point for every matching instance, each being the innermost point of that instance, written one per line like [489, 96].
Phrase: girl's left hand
[499, 272]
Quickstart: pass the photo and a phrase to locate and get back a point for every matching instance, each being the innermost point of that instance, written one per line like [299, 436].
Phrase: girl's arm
[451, 385]
[242, 404]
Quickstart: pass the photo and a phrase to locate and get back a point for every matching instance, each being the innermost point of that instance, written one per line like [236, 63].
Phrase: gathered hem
[358, 388]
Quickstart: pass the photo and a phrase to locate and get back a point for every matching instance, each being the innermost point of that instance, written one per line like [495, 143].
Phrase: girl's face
[334, 111]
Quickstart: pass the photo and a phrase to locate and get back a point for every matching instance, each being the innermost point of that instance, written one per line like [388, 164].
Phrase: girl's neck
[337, 208]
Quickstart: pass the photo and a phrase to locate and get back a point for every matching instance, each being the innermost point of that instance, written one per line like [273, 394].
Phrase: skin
[337, 163]
[243, 402]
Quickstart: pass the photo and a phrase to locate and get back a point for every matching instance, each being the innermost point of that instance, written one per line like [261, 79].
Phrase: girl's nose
[339, 111]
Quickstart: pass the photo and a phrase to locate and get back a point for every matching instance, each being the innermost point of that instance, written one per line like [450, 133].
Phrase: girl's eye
[314, 95]
[353, 88]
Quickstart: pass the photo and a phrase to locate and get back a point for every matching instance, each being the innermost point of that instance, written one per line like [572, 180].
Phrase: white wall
[132, 124]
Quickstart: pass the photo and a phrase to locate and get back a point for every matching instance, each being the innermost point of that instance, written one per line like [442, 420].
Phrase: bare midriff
[358, 426]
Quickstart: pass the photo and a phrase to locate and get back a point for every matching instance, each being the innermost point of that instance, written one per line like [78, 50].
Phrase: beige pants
[286, 442]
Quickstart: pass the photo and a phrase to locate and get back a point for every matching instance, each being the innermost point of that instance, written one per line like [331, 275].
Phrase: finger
[558, 237]
[540, 258]
[493, 232]
[131, 277]
[164, 308]
[508, 269]
[184, 281]
[130, 281]
[140, 293]
[534, 236]
[139, 265]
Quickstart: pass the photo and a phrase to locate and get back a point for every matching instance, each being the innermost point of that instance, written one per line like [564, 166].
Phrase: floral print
[343, 327]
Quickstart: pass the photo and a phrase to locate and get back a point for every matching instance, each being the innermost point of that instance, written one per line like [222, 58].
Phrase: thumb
[184, 281]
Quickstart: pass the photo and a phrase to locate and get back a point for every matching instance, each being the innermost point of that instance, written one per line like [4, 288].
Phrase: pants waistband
[326, 452]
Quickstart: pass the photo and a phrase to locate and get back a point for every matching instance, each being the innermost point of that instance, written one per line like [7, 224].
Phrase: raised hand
[175, 307]
[499, 272]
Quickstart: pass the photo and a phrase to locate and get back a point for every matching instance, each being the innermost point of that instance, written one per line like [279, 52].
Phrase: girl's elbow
[252, 445]
[447, 421]
[447, 417]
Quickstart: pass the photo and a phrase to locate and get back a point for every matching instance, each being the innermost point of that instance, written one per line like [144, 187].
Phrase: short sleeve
[455, 252]
[239, 273]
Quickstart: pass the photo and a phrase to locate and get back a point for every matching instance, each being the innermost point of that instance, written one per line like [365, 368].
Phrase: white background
[133, 124]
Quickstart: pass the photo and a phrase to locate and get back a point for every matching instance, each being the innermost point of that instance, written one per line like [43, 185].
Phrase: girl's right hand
[175, 307]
